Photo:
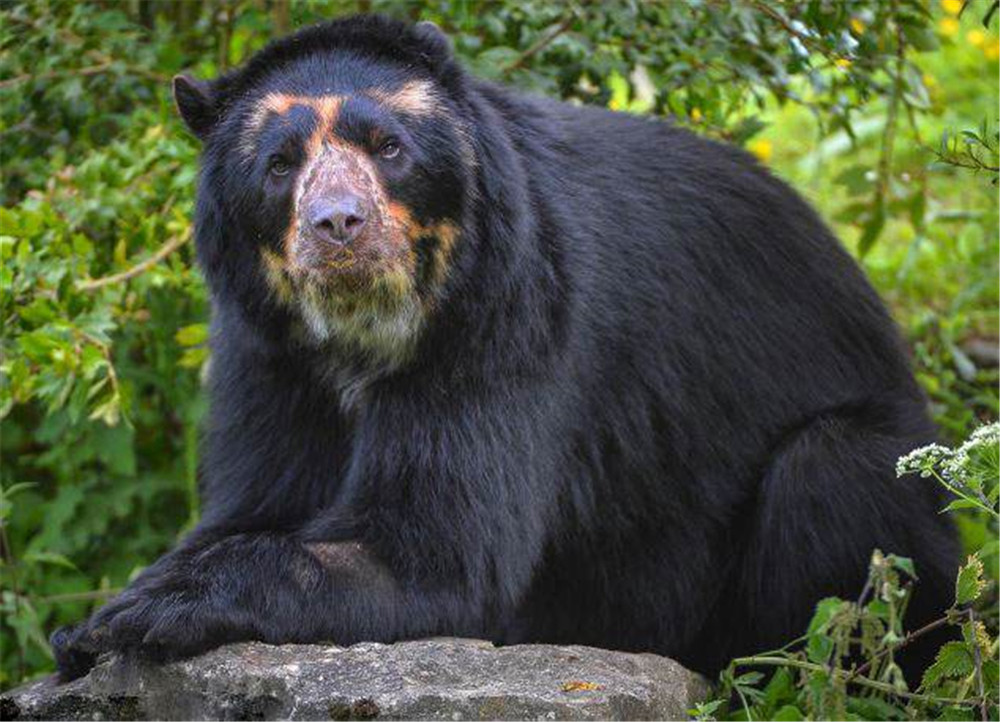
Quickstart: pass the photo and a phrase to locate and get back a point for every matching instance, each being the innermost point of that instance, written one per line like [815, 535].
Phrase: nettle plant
[844, 666]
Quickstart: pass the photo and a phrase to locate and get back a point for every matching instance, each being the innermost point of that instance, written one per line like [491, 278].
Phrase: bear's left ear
[436, 45]
[196, 103]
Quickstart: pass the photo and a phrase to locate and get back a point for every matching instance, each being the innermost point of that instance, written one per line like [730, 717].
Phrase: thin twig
[7, 554]
[541, 44]
[884, 168]
[53, 74]
[978, 657]
[863, 681]
[909, 638]
[165, 250]
[101, 58]
[990, 13]
[805, 39]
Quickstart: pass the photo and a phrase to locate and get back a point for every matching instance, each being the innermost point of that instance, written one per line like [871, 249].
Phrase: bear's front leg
[439, 533]
[247, 586]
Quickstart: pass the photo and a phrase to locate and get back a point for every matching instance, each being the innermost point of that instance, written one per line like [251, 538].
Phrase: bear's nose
[337, 220]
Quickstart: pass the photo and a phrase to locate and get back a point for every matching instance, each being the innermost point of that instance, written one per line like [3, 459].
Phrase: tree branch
[909, 638]
[165, 250]
[541, 43]
[52, 74]
[863, 681]
[984, 708]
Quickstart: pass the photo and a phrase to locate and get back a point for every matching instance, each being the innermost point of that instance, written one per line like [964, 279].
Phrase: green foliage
[104, 334]
[844, 666]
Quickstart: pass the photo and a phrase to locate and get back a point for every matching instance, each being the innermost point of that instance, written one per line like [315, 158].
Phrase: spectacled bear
[490, 365]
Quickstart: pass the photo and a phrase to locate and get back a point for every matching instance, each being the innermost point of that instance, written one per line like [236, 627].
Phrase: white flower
[923, 460]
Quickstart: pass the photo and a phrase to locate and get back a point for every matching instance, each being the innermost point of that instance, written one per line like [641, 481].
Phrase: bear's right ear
[196, 103]
[437, 46]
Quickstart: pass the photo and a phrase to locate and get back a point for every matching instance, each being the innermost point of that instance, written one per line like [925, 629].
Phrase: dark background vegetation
[882, 112]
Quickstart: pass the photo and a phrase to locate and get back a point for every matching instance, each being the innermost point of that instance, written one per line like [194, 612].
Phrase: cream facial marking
[417, 98]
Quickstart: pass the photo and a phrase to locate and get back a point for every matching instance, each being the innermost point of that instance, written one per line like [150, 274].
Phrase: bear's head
[337, 169]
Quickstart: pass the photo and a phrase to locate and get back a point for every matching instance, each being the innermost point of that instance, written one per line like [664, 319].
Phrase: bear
[489, 365]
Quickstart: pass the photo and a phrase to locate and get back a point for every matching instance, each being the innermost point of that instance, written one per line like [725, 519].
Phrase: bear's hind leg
[829, 497]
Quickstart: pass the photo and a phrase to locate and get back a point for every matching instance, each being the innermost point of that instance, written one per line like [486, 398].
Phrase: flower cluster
[971, 472]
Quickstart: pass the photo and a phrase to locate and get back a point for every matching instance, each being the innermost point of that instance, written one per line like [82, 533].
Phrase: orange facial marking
[401, 215]
[326, 107]
[446, 233]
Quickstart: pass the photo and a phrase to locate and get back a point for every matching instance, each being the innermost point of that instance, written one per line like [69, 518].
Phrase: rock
[446, 679]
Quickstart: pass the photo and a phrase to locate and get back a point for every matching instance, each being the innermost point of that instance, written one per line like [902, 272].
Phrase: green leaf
[961, 504]
[904, 564]
[705, 710]
[819, 646]
[193, 335]
[872, 229]
[970, 583]
[920, 37]
[855, 179]
[49, 558]
[874, 708]
[14, 489]
[954, 660]
[788, 712]
[748, 679]
[779, 689]
[620, 90]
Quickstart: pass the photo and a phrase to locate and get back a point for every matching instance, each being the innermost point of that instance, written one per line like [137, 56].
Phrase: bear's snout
[336, 220]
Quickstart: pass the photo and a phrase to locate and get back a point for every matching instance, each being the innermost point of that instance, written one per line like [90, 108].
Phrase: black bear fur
[656, 406]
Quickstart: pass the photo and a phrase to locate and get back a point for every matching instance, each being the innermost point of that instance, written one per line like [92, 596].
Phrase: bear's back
[708, 281]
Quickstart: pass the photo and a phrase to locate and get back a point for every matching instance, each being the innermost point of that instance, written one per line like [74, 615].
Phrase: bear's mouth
[377, 314]
[348, 271]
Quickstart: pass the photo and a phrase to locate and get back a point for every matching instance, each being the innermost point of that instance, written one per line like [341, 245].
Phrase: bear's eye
[389, 149]
[278, 166]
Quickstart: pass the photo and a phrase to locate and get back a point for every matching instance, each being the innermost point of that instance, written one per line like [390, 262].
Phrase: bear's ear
[437, 46]
[196, 103]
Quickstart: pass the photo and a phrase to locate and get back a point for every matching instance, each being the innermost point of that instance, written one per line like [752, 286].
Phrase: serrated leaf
[953, 660]
[819, 646]
[970, 582]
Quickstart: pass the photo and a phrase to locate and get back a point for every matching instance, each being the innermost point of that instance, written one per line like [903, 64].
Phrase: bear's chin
[378, 315]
